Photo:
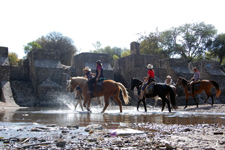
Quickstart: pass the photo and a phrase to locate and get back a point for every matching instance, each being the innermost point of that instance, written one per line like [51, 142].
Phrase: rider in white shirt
[169, 80]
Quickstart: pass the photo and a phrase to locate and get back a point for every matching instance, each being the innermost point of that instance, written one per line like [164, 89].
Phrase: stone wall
[46, 73]
[4, 64]
[44, 64]
[176, 68]
[20, 73]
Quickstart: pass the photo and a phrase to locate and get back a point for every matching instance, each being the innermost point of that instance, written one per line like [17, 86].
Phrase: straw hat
[87, 69]
[150, 66]
[168, 77]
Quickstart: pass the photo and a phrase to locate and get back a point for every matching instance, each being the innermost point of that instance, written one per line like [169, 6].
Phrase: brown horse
[109, 88]
[205, 85]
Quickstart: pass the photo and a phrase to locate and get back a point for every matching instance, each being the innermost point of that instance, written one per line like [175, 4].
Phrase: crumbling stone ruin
[42, 77]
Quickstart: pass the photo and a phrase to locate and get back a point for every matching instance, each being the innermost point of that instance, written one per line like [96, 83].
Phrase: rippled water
[110, 119]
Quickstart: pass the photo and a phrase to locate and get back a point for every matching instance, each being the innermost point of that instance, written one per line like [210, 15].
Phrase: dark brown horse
[109, 88]
[205, 85]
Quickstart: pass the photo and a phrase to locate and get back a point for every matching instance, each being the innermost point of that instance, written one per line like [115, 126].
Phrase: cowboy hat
[168, 77]
[87, 69]
[98, 62]
[150, 66]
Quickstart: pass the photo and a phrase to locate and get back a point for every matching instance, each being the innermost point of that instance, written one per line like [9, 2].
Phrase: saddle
[99, 84]
[150, 88]
[195, 86]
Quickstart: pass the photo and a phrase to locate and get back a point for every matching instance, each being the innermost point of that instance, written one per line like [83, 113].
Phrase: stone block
[3, 51]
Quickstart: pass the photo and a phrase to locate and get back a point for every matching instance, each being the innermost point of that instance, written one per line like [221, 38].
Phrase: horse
[79, 96]
[160, 90]
[205, 85]
[109, 88]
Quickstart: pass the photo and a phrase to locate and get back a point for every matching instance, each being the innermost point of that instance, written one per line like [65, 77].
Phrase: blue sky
[112, 22]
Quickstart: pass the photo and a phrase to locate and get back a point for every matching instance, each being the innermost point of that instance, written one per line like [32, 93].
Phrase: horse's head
[180, 81]
[75, 81]
[68, 85]
[135, 83]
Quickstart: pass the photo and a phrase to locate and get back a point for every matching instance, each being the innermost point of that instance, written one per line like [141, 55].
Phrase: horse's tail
[124, 92]
[172, 97]
[216, 85]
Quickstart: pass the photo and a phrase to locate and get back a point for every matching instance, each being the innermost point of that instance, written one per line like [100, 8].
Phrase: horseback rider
[150, 78]
[194, 79]
[169, 80]
[98, 75]
[88, 73]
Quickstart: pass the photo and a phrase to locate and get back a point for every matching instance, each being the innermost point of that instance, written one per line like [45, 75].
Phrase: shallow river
[110, 119]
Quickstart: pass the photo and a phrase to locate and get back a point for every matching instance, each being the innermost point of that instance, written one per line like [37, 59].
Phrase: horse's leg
[144, 102]
[164, 102]
[80, 101]
[212, 100]
[206, 98]
[106, 103]
[138, 104]
[209, 94]
[117, 99]
[156, 100]
[187, 96]
[99, 100]
[168, 104]
[89, 105]
[195, 100]
[76, 105]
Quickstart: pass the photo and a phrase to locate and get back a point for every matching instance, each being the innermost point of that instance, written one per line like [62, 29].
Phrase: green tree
[125, 53]
[97, 45]
[56, 41]
[170, 42]
[195, 38]
[30, 46]
[13, 58]
[218, 47]
[150, 43]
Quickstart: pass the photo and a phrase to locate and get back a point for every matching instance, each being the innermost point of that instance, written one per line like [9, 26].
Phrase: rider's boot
[142, 94]
[190, 92]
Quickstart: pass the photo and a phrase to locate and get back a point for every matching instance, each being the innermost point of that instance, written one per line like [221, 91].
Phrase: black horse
[159, 89]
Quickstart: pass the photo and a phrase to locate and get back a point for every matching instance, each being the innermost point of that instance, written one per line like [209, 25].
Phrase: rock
[93, 127]
[218, 133]
[73, 126]
[60, 143]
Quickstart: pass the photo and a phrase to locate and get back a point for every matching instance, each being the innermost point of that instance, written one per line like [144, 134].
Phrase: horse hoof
[185, 107]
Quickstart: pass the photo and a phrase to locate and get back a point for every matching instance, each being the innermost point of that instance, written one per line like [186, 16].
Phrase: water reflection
[110, 119]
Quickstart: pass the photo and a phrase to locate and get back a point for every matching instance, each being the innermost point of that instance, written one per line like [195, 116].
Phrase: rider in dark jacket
[98, 75]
